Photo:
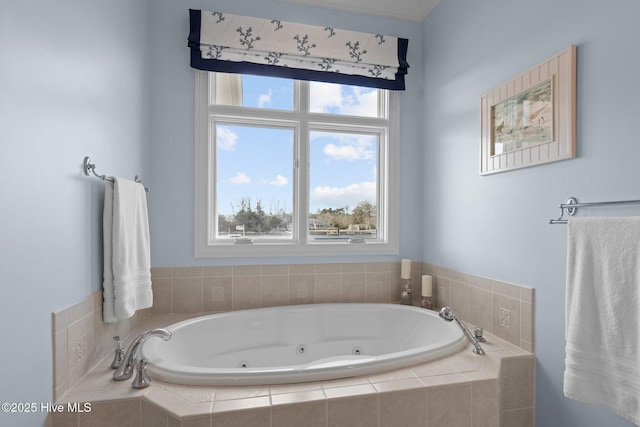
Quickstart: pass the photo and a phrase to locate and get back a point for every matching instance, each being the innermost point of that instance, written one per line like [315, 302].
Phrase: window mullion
[302, 162]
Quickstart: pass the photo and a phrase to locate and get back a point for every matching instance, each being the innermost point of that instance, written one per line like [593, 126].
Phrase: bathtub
[300, 343]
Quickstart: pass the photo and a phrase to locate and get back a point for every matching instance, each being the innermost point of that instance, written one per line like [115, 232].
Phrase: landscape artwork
[523, 120]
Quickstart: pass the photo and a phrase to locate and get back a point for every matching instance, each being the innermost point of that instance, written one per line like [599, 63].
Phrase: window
[286, 167]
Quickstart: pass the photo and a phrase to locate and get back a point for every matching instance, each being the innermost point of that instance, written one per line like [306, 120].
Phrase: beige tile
[480, 312]
[349, 391]
[302, 269]
[430, 369]
[162, 295]
[352, 287]
[450, 406]
[403, 409]
[233, 393]
[398, 374]
[441, 291]
[79, 310]
[217, 294]
[506, 318]
[59, 320]
[152, 415]
[275, 291]
[395, 285]
[246, 292]
[248, 418]
[65, 419]
[275, 270]
[456, 276]
[506, 289]
[486, 404]
[79, 349]
[198, 421]
[327, 268]
[187, 295]
[247, 270]
[354, 412]
[517, 383]
[103, 342]
[161, 272]
[187, 272]
[526, 322]
[518, 418]
[246, 404]
[60, 349]
[194, 394]
[399, 385]
[377, 267]
[327, 288]
[527, 294]
[217, 271]
[306, 414]
[443, 272]
[121, 413]
[301, 289]
[459, 299]
[353, 268]
[297, 397]
[481, 282]
[377, 287]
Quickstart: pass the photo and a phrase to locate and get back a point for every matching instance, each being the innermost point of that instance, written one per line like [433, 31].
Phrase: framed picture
[530, 119]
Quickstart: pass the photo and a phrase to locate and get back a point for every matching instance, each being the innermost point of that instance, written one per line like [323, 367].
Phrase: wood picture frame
[530, 119]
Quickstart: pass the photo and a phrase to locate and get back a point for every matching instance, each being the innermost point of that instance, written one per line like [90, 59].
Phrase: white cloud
[226, 138]
[264, 99]
[355, 101]
[349, 195]
[240, 178]
[349, 152]
[279, 181]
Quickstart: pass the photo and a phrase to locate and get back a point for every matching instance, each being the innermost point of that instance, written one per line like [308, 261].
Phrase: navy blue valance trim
[204, 62]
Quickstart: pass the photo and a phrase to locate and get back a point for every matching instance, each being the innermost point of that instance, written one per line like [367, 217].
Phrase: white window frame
[387, 167]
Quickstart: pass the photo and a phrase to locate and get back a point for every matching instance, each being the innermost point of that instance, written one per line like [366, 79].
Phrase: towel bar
[91, 168]
[572, 205]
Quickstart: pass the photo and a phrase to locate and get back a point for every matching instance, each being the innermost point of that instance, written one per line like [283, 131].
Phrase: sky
[257, 162]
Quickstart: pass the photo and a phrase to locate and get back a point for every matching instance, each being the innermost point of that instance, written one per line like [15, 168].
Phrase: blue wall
[73, 82]
[496, 225]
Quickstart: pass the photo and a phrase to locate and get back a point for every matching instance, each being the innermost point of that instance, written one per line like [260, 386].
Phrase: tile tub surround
[81, 340]
[504, 309]
[462, 390]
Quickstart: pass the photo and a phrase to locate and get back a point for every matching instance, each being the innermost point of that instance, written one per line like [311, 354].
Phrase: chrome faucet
[447, 314]
[125, 370]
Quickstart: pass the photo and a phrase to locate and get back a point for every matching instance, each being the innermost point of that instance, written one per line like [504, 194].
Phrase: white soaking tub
[300, 343]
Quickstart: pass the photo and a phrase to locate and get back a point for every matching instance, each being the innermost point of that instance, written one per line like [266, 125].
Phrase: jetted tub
[300, 343]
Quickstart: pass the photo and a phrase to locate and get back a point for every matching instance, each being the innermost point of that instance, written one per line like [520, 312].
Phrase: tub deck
[463, 389]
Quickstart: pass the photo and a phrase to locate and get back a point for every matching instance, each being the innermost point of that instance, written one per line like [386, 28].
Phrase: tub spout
[125, 370]
[447, 314]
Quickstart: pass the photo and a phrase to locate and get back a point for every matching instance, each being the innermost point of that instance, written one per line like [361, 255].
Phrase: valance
[241, 44]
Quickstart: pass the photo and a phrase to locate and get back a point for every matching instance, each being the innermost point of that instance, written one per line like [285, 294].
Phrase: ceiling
[408, 10]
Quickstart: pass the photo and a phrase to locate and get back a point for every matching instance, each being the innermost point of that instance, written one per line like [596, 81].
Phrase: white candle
[405, 269]
[427, 285]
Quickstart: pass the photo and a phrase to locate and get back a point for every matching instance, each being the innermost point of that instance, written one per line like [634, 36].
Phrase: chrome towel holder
[90, 168]
[571, 206]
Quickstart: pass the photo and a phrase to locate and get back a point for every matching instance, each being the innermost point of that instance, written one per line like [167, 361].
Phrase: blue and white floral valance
[241, 44]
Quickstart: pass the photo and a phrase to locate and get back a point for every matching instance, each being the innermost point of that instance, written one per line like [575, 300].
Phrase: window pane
[254, 181]
[334, 98]
[254, 91]
[343, 185]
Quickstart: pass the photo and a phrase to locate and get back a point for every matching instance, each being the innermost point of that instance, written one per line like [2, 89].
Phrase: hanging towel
[127, 264]
[602, 364]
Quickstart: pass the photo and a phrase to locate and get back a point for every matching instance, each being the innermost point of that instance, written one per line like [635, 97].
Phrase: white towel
[602, 364]
[127, 261]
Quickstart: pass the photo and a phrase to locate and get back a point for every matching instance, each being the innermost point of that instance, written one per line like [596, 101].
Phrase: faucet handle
[118, 357]
[478, 331]
[142, 379]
